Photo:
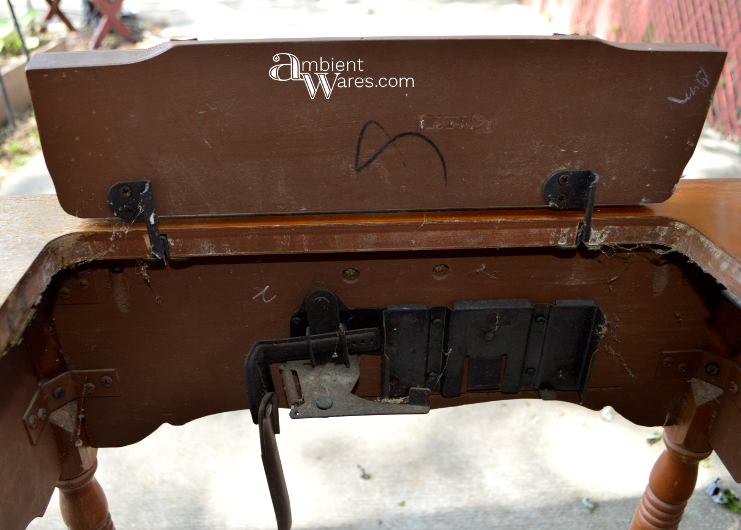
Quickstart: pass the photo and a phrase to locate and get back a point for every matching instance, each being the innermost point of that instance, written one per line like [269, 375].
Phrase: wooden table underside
[177, 334]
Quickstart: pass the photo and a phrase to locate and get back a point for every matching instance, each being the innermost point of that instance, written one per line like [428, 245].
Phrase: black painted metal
[134, 201]
[574, 188]
[509, 344]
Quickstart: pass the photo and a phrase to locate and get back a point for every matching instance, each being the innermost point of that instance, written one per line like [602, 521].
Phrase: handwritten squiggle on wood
[391, 141]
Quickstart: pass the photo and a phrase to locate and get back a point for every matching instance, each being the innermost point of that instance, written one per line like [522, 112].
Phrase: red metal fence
[701, 21]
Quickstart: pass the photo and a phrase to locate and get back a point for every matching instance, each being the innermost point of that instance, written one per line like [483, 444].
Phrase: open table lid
[231, 127]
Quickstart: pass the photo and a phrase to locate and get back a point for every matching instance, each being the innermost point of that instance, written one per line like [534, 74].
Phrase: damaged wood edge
[98, 240]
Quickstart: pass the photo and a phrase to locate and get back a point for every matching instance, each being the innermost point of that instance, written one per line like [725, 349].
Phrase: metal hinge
[570, 189]
[134, 201]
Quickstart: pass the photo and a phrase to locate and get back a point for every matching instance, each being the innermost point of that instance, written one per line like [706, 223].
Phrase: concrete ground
[512, 465]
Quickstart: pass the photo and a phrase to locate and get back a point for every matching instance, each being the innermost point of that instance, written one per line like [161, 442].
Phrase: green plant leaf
[6, 27]
[27, 19]
[32, 43]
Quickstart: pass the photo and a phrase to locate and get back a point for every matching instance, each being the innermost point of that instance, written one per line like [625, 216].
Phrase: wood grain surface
[486, 122]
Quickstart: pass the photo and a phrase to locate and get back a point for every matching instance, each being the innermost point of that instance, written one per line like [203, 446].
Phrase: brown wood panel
[28, 473]
[178, 335]
[487, 121]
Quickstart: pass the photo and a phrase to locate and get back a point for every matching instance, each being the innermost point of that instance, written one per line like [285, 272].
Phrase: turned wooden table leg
[670, 486]
[673, 478]
[81, 498]
[83, 503]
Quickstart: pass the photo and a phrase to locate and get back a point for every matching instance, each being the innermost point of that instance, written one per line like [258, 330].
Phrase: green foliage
[654, 438]
[10, 42]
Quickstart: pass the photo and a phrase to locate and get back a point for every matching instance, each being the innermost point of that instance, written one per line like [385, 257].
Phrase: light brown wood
[673, 478]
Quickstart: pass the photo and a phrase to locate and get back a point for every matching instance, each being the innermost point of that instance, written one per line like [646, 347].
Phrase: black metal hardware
[134, 201]
[574, 188]
[269, 426]
[510, 345]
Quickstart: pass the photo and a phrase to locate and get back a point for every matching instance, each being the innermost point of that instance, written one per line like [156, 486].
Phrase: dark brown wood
[673, 478]
[487, 121]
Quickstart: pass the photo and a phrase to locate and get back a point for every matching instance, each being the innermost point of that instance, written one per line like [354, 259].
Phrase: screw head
[129, 211]
[530, 371]
[33, 421]
[433, 376]
[124, 191]
[321, 304]
[82, 284]
[41, 414]
[324, 403]
[561, 198]
[667, 362]
[682, 368]
[437, 322]
[540, 320]
[89, 388]
[351, 274]
[564, 179]
[106, 381]
[296, 321]
[733, 388]
[64, 293]
[489, 335]
[441, 269]
[59, 392]
[712, 369]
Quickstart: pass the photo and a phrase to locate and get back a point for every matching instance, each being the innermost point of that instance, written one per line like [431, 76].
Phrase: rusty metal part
[327, 392]
[54, 393]
[268, 425]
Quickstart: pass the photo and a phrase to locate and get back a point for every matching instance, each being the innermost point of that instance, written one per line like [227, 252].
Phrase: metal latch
[575, 188]
[509, 344]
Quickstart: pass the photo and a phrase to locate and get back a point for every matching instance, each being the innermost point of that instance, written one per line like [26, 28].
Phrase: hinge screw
[106, 381]
[64, 293]
[59, 392]
[89, 388]
[124, 191]
[42, 414]
[712, 369]
[33, 421]
[682, 368]
[540, 320]
[667, 362]
[437, 322]
[324, 403]
[733, 388]
[129, 211]
[564, 179]
[82, 284]
[561, 198]
[530, 371]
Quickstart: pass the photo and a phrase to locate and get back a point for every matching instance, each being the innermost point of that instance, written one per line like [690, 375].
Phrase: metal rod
[6, 102]
[18, 29]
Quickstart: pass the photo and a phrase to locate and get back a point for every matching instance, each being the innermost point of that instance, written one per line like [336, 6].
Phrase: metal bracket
[54, 393]
[575, 188]
[269, 427]
[134, 201]
[326, 391]
[509, 344]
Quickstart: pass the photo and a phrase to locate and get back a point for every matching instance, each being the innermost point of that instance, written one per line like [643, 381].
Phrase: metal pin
[343, 341]
[311, 349]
